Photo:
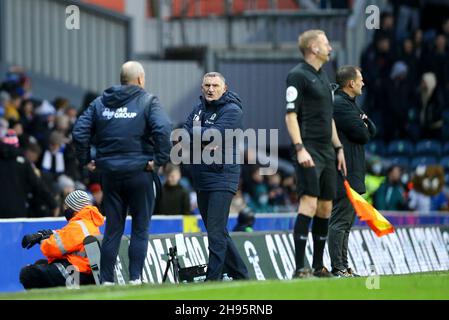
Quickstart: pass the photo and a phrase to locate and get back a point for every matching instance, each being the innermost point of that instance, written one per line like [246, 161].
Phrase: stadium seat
[428, 148]
[403, 162]
[445, 151]
[444, 161]
[376, 147]
[400, 148]
[422, 160]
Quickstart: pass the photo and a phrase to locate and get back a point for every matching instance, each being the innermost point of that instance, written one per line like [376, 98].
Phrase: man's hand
[30, 240]
[304, 159]
[91, 166]
[341, 161]
[45, 233]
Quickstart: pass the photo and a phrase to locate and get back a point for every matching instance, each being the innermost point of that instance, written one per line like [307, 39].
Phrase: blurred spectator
[430, 105]
[12, 107]
[44, 123]
[437, 61]
[4, 126]
[408, 16]
[33, 152]
[445, 30]
[289, 186]
[59, 158]
[276, 196]
[18, 179]
[407, 54]
[377, 60]
[398, 102]
[17, 82]
[4, 99]
[386, 29]
[258, 191]
[62, 125]
[27, 116]
[71, 112]
[245, 221]
[61, 105]
[390, 195]
[174, 198]
[373, 178]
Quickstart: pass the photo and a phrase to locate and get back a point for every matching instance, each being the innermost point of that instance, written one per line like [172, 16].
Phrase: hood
[8, 151]
[118, 96]
[227, 97]
[90, 213]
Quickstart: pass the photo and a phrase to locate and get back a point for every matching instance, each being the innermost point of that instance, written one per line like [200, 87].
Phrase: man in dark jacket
[354, 129]
[131, 134]
[217, 183]
[18, 179]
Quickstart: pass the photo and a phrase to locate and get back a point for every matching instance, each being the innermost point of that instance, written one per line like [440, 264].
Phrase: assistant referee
[316, 145]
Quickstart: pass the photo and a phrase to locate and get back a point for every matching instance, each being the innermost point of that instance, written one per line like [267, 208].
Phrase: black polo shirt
[309, 94]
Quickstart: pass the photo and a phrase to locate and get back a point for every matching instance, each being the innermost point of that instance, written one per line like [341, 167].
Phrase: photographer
[64, 248]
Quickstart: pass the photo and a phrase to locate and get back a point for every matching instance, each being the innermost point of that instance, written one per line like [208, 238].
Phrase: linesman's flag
[368, 213]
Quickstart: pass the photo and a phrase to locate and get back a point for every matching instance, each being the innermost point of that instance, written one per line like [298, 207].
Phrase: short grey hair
[130, 71]
[214, 74]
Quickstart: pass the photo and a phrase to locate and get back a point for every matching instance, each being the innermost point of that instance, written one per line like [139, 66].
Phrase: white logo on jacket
[120, 113]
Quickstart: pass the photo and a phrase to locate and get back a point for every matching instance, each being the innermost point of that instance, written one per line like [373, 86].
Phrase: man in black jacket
[18, 179]
[131, 134]
[354, 129]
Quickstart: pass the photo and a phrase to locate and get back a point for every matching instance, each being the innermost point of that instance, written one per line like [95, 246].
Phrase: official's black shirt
[309, 94]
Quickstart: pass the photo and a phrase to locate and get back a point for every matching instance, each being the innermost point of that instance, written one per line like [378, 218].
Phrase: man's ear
[226, 87]
[141, 81]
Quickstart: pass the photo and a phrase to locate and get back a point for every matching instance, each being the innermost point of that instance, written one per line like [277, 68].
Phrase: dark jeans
[122, 192]
[340, 223]
[223, 255]
[44, 275]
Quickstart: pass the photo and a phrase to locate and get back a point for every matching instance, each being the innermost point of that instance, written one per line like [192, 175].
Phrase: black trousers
[340, 223]
[223, 255]
[122, 192]
[44, 275]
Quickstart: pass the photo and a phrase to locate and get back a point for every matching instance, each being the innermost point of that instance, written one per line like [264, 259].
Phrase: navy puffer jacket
[225, 113]
[128, 128]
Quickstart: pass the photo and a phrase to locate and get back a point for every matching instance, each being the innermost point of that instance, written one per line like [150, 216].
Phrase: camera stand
[172, 261]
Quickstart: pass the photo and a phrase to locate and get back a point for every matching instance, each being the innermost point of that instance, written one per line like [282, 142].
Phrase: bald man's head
[132, 72]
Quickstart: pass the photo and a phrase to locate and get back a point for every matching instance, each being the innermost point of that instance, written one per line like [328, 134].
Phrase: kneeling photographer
[64, 248]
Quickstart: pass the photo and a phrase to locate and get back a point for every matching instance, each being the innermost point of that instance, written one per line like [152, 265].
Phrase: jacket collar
[345, 95]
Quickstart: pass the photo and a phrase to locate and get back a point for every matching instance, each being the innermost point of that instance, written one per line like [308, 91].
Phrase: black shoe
[340, 273]
[322, 273]
[302, 273]
[352, 273]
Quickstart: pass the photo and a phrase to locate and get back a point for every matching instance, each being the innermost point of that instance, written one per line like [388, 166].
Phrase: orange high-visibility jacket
[67, 243]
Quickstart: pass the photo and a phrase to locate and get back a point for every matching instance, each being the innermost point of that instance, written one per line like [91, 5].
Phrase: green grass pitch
[434, 285]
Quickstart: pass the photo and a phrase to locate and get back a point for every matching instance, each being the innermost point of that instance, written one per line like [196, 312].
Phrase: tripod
[172, 260]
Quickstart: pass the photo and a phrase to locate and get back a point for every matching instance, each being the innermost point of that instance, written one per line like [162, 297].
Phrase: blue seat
[376, 147]
[400, 148]
[428, 148]
[444, 162]
[403, 162]
[422, 160]
[445, 149]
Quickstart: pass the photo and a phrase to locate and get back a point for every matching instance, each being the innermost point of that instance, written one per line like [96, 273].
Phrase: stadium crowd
[406, 71]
